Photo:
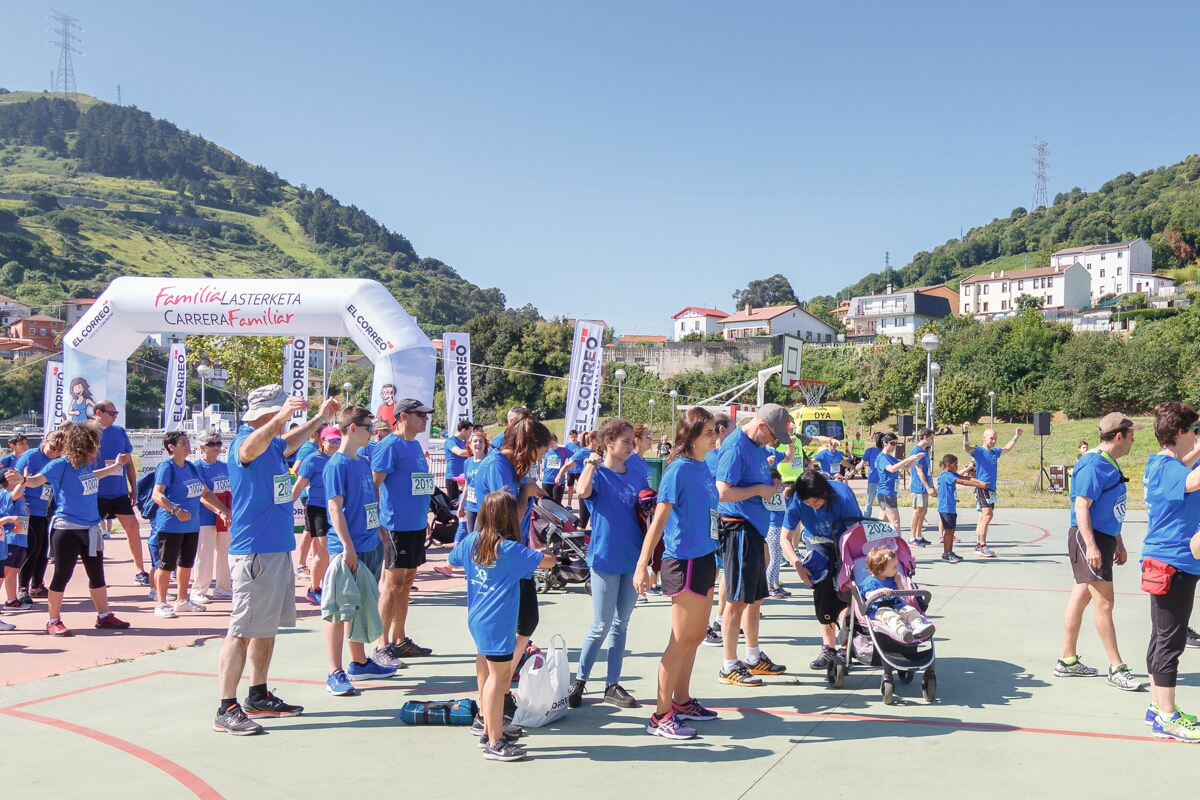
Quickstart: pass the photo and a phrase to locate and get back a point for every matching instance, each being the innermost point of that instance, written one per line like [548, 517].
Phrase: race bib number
[776, 503]
[1119, 512]
[221, 485]
[714, 525]
[798, 462]
[25, 524]
[877, 531]
[372, 515]
[422, 484]
[470, 494]
[194, 489]
[283, 490]
[47, 492]
[553, 462]
[91, 484]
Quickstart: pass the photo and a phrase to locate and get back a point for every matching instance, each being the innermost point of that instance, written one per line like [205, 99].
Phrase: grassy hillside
[161, 201]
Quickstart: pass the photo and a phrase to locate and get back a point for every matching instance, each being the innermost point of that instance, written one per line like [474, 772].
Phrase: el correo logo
[462, 376]
[383, 344]
[98, 320]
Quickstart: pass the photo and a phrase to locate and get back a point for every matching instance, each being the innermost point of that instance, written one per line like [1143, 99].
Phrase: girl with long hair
[642, 441]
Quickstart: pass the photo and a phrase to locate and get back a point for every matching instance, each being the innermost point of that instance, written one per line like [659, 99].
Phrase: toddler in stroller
[879, 589]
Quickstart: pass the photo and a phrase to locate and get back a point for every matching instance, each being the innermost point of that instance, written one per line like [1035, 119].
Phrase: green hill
[90, 191]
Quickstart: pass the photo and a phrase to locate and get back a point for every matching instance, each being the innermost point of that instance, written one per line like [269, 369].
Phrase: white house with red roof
[694, 319]
[774, 320]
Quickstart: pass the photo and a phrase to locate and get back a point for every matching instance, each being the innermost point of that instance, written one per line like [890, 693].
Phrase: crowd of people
[718, 527]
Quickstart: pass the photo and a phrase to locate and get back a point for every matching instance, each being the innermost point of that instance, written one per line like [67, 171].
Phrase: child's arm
[458, 556]
[972, 482]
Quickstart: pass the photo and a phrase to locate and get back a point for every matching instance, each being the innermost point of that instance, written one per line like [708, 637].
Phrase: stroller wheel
[587, 585]
[541, 582]
[838, 675]
[906, 675]
[929, 687]
[888, 689]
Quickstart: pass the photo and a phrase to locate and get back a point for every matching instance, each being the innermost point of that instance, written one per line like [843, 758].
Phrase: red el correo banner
[583, 381]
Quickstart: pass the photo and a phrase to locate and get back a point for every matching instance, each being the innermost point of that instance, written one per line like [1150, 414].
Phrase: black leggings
[33, 571]
[1169, 616]
[177, 550]
[68, 545]
[555, 491]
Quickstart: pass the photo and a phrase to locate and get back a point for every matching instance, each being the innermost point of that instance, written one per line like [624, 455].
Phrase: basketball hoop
[813, 391]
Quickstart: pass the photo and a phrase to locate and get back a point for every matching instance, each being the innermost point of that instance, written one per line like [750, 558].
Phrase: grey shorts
[984, 498]
[886, 500]
[920, 500]
[373, 560]
[264, 595]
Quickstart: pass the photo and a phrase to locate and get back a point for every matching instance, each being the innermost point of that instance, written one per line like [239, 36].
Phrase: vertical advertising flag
[295, 374]
[53, 411]
[583, 381]
[176, 404]
[456, 354]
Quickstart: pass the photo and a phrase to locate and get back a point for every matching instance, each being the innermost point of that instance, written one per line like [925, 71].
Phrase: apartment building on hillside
[991, 295]
[1116, 269]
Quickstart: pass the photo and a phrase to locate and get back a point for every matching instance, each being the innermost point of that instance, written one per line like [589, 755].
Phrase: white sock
[729, 665]
[102, 616]
[752, 654]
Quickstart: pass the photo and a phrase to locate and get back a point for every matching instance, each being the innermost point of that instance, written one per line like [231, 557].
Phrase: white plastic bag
[545, 682]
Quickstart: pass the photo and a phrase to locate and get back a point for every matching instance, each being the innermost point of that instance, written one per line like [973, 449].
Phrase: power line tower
[65, 79]
[1041, 165]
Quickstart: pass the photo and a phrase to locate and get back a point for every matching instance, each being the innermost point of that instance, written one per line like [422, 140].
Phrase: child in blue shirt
[902, 619]
[947, 482]
[495, 562]
[14, 516]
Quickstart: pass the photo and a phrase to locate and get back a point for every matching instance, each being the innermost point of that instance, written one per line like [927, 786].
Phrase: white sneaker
[222, 594]
[189, 605]
[198, 599]
[923, 628]
[163, 611]
[152, 595]
[7, 626]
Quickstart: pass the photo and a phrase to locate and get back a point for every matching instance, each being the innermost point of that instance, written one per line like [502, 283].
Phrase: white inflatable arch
[97, 347]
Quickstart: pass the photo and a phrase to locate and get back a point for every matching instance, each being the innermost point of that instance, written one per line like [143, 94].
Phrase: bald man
[987, 463]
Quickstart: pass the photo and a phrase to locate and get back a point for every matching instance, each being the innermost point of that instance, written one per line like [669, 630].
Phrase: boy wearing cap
[405, 486]
[1094, 545]
[311, 476]
[260, 550]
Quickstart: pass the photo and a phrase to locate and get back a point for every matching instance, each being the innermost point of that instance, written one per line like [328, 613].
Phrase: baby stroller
[554, 529]
[444, 522]
[871, 643]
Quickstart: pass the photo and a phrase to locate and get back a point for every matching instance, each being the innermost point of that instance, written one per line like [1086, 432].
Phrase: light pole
[620, 375]
[651, 418]
[916, 407]
[930, 342]
[671, 432]
[992, 404]
[202, 371]
[346, 387]
[935, 369]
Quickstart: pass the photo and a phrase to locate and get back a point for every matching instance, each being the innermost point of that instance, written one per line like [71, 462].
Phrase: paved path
[1003, 726]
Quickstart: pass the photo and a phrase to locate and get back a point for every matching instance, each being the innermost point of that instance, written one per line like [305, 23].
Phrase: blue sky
[623, 160]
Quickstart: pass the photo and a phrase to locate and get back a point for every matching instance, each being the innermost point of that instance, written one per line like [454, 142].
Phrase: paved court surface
[1002, 726]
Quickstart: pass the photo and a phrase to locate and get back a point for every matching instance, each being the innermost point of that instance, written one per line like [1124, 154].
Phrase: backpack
[450, 712]
[647, 501]
[145, 498]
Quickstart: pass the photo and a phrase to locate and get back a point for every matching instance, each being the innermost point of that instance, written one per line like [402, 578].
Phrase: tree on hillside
[251, 361]
[1027, 302]
[773, 291]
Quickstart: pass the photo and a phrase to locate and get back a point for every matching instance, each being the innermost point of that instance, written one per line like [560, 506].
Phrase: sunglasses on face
[418, 414]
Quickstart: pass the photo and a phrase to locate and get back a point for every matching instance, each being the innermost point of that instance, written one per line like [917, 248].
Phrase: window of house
[1101, 273]
[1120, 254]
[1020, 285]
[1004, 305]
[985, 288]
[1118, 270]
[1089, 266]
[808, 336]
[1049, 283]
[985, 306]
[1139, 286]
[966, 309]
[1003, 288]
[1102, 256]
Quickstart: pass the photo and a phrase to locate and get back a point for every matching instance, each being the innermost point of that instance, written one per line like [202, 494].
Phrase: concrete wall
[677, 358]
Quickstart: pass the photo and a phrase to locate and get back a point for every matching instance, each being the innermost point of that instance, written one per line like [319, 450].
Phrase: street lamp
[620, 375]
[916, 407]
[346, 387]
[992, 404]
[674, 394]
[935, 369]
[202, 370]
[930, 342]
[651, 419]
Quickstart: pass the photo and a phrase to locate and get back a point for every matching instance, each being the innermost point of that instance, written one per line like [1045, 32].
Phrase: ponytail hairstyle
[687, 431]
[523, 438]
[609, 430]
[639, 430]
[498, 519]
[878, 437]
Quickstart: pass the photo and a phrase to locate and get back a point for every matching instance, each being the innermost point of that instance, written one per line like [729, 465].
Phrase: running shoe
[233, 720]
[776, 593]
[824, 661]
[21, 603]
[765, 666]
[655, 590]
[164, 611]
[409, 649]
[924, 542]
[951, 558]
[510, 730]
[57, 628]
[339, 685]
[39, 592]
[387, 658]
[270, 706]
[198, 599]
[575, 696]
[739, 676]
[369, 671]
[313, 596]
[110, 622]
[615, 694]
[713, 637]
[510, 738]
[504, 751]
[917, 542]
[783, 592]
[189, 606]
[693, 710]
[1193, 638]
[1121, 677]
[1152, 712]
[1175, 727]
[983, 551]
[222, 594]
[303, 570]
[141, 579]
[669, 727]
[444, 570]
[7, 626]
[1076, 670]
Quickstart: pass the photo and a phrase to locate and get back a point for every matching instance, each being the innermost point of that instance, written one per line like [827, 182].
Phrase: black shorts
[1077, 553]
[886, 500]
[695, 575]
[16, 556]
[498, 659]
[403, 549]
[177, 550]
[949, 519]
[316, 520]
[113, 507]
[527, 615]
[826, 601]
[453, 489]
[572, 477]
[744, 553]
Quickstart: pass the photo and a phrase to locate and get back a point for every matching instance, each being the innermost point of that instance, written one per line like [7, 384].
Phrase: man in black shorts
[118, 493]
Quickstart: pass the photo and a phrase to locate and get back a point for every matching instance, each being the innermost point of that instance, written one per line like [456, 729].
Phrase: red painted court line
[189, 779]
[1045, 533]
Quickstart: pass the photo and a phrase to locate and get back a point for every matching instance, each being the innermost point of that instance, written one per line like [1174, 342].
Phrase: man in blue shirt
[260, 550]
[987, 464]
[572, 447]
[118, 492]
[1094, 545]
[456, 457]
[922, 487]
[830, 458]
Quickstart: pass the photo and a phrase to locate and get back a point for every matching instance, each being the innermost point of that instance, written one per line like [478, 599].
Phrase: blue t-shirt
[825, 524]
[367, 451]
[493, 593]
[1097, 478]
[454, 462]
[75, 492]
[572, 449]
[184, 487]
[113, 442]
[741, 464]
[871, 455]
[351, 479]
[871, 583]
[552, 462]
[313, 468]
[987, 463]
[1174, 513]
[918, 469]
[577, 458]
[14, 508]
[617, 536]
[498, 440]
[262, 499]
[496, 474]
[830, 460]
[711, 459]
[472, 494]
[408, 485]
[691, 529]
[8, 461]
[887, 480]
[947, 486]
[216, 478]
[640, 469]
[34, 460]
[305, 450]
[776, 506]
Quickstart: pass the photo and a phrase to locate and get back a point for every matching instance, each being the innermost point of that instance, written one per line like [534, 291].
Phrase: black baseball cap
[408, 405]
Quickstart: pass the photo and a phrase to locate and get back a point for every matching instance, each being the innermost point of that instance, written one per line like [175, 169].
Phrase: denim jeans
[613, 599]
[871, 487]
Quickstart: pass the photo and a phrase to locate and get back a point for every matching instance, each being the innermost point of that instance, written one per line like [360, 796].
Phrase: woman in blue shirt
[551, 464]
[870, 457]
[686, 519]
[574, 466]
[75, 529]
[212, 557]
[468, 506]
[310, 476]
[890, 468]
[610, 490]
[1173, 506]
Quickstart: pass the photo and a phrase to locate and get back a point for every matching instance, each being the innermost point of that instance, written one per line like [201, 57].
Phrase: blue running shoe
[693, 710]
[313, 597]
[1175, 727]
[669, 727]
[1152, 713]
[369, 670]
[339, 685]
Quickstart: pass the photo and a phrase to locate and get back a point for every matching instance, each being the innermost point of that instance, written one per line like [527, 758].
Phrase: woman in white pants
[212, 555]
